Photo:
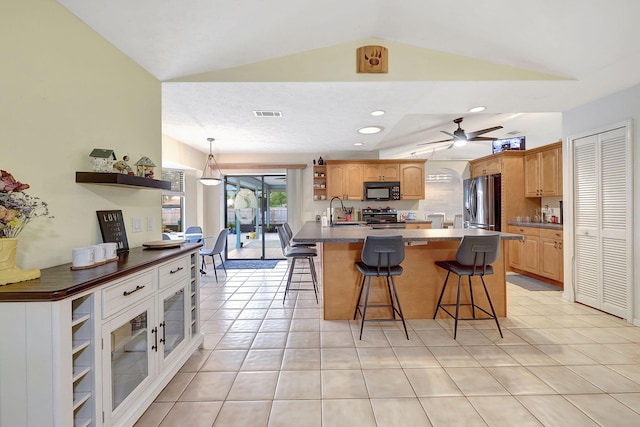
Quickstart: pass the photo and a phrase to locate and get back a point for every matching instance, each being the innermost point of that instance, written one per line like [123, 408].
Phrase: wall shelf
[121, 180]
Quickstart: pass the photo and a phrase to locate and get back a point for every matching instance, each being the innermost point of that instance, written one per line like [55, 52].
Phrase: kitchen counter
[536, 225]
[59, 282]
[419, 285]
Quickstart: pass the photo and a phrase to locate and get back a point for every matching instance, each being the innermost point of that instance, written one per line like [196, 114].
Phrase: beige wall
[65, 90]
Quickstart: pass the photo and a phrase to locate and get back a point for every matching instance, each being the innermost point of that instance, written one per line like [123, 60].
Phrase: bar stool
[289, 233]
[294, 254]
[474, 258]
[381, 257]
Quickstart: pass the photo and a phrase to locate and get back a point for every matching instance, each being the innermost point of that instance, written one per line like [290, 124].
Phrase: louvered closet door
[603, 213]
[587, 253]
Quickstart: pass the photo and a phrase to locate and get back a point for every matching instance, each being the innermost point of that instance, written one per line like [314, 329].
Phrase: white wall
[65, 90]
[598, 114]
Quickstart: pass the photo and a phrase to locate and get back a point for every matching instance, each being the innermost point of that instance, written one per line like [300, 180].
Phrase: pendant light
[211, 174]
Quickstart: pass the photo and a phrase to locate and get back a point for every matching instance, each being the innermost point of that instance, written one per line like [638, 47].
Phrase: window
[173, 201]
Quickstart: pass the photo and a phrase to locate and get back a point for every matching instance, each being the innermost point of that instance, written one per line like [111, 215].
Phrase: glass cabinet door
[172, 328]
[132, 337]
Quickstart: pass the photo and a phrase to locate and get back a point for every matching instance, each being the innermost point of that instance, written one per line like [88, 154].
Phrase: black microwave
[382, 190]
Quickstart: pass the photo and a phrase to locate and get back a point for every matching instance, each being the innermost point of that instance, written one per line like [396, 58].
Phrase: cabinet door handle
[127, 293]
[164, 338]
[176, 270]
[154, 331]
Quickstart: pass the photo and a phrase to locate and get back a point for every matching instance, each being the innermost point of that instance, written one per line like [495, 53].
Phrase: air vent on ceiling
[267, 113]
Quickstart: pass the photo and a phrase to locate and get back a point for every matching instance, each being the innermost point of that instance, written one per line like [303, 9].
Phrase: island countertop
[419, 285]
[313, 232]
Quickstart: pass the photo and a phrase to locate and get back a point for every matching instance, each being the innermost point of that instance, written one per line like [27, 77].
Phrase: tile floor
[269, 364]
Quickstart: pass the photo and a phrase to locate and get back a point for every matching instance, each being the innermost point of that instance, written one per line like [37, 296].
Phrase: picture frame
[112, 229]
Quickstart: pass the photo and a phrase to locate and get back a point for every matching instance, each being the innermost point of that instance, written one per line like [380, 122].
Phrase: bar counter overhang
[421, 282]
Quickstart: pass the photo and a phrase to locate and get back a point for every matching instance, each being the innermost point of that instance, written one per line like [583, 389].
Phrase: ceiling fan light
[211, 174]
[460, 142]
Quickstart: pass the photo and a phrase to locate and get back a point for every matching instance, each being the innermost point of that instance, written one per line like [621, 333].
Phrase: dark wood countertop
[61, 282]
[313, 232]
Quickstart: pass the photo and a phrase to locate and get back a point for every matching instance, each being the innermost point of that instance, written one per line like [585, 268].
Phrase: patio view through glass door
[256, 204]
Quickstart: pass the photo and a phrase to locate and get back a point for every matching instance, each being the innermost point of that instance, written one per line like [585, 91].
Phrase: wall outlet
[137, 225]
[149, 223]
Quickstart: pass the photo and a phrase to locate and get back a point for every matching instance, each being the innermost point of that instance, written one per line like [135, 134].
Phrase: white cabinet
[101, 355]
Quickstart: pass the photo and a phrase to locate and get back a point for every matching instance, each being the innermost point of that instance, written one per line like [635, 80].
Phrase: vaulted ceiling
[219, 61]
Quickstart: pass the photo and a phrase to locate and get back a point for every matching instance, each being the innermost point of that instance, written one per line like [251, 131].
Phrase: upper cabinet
[543, 171]
[381, 172]
[489, 165]
[345, 180]
[412, 180]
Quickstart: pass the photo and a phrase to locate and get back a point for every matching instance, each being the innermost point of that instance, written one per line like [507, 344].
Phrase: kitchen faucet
[331, 208]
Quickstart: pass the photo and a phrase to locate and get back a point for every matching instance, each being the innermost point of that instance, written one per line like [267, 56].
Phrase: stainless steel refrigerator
[481, 204]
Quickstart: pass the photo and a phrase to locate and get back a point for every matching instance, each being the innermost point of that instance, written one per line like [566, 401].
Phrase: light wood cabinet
[490, 165]
[345, 180]
[412, 181]
[418, 226]
[551, 255]
[543, 171]
[539, 253]
[381, 172]
[319, 182]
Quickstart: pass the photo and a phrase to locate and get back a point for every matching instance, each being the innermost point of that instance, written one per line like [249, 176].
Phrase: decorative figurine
[123, 167]
[145, 167]
[320, 161]
[102, 159]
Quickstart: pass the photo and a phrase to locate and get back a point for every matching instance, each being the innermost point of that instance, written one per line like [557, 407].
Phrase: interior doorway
[255, 205]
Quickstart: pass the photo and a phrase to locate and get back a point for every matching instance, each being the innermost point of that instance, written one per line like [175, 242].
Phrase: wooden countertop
[313, 232]
[60, 282]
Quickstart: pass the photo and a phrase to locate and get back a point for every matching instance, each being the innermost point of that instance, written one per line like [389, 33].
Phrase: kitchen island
[421, 282]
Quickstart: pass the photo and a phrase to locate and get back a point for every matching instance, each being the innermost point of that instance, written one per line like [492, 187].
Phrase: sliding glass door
[256, 204]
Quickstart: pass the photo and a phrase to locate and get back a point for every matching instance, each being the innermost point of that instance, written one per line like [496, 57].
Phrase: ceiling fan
[459, 137]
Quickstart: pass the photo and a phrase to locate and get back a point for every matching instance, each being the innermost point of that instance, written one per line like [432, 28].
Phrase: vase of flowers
[17, 209]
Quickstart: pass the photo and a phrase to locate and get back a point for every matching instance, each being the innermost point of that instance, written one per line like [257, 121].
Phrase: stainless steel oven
[382, 218]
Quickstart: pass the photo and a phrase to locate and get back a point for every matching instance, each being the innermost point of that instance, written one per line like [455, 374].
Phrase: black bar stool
[381, 257]
[297, 253]
[474, 258]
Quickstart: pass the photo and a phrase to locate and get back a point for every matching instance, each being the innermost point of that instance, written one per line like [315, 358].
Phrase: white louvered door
[602, 219]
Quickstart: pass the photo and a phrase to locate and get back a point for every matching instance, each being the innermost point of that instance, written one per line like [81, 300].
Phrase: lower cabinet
[101, 357]
[418, 226]
[539, 253]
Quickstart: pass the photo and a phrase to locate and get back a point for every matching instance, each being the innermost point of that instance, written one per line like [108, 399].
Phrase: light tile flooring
[269, 364]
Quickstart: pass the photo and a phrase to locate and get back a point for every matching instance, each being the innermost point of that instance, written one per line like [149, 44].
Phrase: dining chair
[437, 220]
[196, 234]
[457, 221]
[217, 249]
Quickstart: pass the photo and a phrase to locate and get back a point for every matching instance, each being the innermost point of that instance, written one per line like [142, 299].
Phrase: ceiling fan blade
[434, 142]
[482, 138]
[454, 136]
[472, 135]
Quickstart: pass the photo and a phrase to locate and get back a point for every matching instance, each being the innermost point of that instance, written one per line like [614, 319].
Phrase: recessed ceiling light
[368, 130]
[358, 144]
[477, 109]
[378, 113]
